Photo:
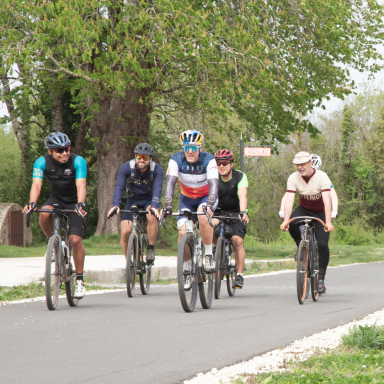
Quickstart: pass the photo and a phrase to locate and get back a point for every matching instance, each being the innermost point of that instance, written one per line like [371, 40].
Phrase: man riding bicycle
[233, 190]
[66, 173]
[198, 178]
[334, 199]
[143, 179]
[315, 200]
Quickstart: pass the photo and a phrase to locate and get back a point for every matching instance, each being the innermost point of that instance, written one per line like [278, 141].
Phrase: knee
[44, 217]
[76, 241]
[238, 242]
[151, 219]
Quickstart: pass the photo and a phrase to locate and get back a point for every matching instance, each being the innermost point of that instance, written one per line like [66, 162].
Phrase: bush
[355, 234]
[364, 337]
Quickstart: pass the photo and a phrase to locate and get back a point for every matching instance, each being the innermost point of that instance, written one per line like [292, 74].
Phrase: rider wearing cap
[233, 190]
[199, 180]
[334, 199]
[143, 179]
[66, 174]
[315, 200]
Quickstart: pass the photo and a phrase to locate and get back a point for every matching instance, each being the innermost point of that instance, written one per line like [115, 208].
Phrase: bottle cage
[132, 165]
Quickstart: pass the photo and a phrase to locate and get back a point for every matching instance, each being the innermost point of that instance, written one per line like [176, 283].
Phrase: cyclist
[199, 180]
[66, 173]
[143, 179]
[233, 190]
[315, 200]
[334, 199]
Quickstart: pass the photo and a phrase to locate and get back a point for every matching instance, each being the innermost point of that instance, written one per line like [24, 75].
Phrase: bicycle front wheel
[131, 264]
[302, 271]
[220, 265]
[186, 274]
[205, 281]
[70, 286]
[232, 269]
[52, 273]
[145, 270]
[314, 272]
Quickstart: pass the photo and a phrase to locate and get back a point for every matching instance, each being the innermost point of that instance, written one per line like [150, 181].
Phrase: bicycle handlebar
[58, 211]
[306, 218]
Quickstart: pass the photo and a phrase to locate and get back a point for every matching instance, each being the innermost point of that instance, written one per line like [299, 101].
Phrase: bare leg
[126, 229]
[152, 229]
[183, 231]
[78, 252]
[239, 253]
[46, 222]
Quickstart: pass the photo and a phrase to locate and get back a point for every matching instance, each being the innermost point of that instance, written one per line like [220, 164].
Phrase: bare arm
[289, 200]
[283, 202]
[327, 206]
[35, 193]
[81, 186]
[334, 200]
[243, 197]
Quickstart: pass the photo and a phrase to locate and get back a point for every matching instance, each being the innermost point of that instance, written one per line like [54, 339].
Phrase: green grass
[33, 290]
[364, 337]
[339, 367]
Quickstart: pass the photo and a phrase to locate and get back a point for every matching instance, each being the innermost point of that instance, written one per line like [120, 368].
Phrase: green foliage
[364, 337]
[355, 234]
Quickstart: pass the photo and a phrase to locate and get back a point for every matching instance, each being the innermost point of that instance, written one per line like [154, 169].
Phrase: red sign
[257, 151]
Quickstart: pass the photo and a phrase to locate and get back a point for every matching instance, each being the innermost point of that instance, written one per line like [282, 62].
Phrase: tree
[268, 63]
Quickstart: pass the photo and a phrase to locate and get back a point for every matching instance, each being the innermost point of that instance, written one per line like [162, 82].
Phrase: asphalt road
[110, 338]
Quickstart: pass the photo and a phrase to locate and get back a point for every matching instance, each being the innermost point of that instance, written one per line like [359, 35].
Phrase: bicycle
[58, 265]
[191, 248]
[307, 258]
[223, 257]
[136, 251]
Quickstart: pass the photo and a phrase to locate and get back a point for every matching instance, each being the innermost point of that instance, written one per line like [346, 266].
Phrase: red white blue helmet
[191, 137]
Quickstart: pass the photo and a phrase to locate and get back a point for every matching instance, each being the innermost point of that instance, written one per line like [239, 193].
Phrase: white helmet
[316, 161]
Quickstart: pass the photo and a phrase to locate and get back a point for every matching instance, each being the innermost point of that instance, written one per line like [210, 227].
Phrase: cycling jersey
[61, 177]
[141, 187]
[196, 180]
[228, 191]
[310, 189]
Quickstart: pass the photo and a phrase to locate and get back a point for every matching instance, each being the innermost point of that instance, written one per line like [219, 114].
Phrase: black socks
[151, 247]
[79, 276]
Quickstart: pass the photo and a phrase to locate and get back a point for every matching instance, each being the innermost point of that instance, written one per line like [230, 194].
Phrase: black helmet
[144, 149]
[228, 232]
[57, 139]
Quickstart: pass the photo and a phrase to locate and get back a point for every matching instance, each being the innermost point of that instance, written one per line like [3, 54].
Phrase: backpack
[132, 165]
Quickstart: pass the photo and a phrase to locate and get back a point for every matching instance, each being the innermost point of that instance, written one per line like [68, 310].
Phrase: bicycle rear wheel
[314, 272]
[302, 272]
[220, 265]
[188, 296]
[52, 273]
[130, 270]
[232, 275]
[205, 281]
[70, 286]
[145, 270]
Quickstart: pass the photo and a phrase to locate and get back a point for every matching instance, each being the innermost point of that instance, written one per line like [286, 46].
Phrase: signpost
[253, 150]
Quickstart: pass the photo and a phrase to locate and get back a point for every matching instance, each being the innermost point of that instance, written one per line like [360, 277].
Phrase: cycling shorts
[142, 204]
[193, 205]
[238, 227]
[75, 224]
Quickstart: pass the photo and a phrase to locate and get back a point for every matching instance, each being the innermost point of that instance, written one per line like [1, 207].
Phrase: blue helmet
[57, 139]
[191, 138]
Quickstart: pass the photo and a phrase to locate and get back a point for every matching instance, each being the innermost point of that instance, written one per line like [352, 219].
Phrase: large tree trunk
[120, 125]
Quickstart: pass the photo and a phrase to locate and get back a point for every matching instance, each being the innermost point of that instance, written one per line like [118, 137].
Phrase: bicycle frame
[308, 235]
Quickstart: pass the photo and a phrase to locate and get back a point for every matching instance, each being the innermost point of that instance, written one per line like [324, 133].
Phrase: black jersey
[228, 196]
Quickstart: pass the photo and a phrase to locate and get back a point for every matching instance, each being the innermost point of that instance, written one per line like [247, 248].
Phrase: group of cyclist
[207, 182]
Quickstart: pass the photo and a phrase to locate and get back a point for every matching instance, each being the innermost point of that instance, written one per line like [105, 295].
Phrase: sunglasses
[194, 148]
[142, 157]
[62, 150]
[222, 163]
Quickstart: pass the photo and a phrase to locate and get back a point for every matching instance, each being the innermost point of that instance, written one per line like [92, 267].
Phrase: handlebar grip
[27, 216]
[209, 219]
[113, 213]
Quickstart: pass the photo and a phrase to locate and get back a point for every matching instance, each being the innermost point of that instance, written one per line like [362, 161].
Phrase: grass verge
[33, 290]
[360, 359]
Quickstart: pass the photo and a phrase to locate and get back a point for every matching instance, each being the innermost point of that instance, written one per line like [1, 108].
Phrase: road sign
[257, 151]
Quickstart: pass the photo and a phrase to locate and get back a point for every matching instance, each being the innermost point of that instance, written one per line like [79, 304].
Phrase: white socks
[188, 265]
[208, 249]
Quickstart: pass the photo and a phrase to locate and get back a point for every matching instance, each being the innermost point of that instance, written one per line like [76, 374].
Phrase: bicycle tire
[205, 281]
[231, 277]
[220, 265]
[70, 287]
[302, 272]
[145, 270]
[314, 267]
[52, 273]
[131, 264]
[187, 298]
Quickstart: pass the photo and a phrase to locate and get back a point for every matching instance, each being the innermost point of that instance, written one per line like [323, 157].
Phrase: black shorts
[238, 227]
[75, 224]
